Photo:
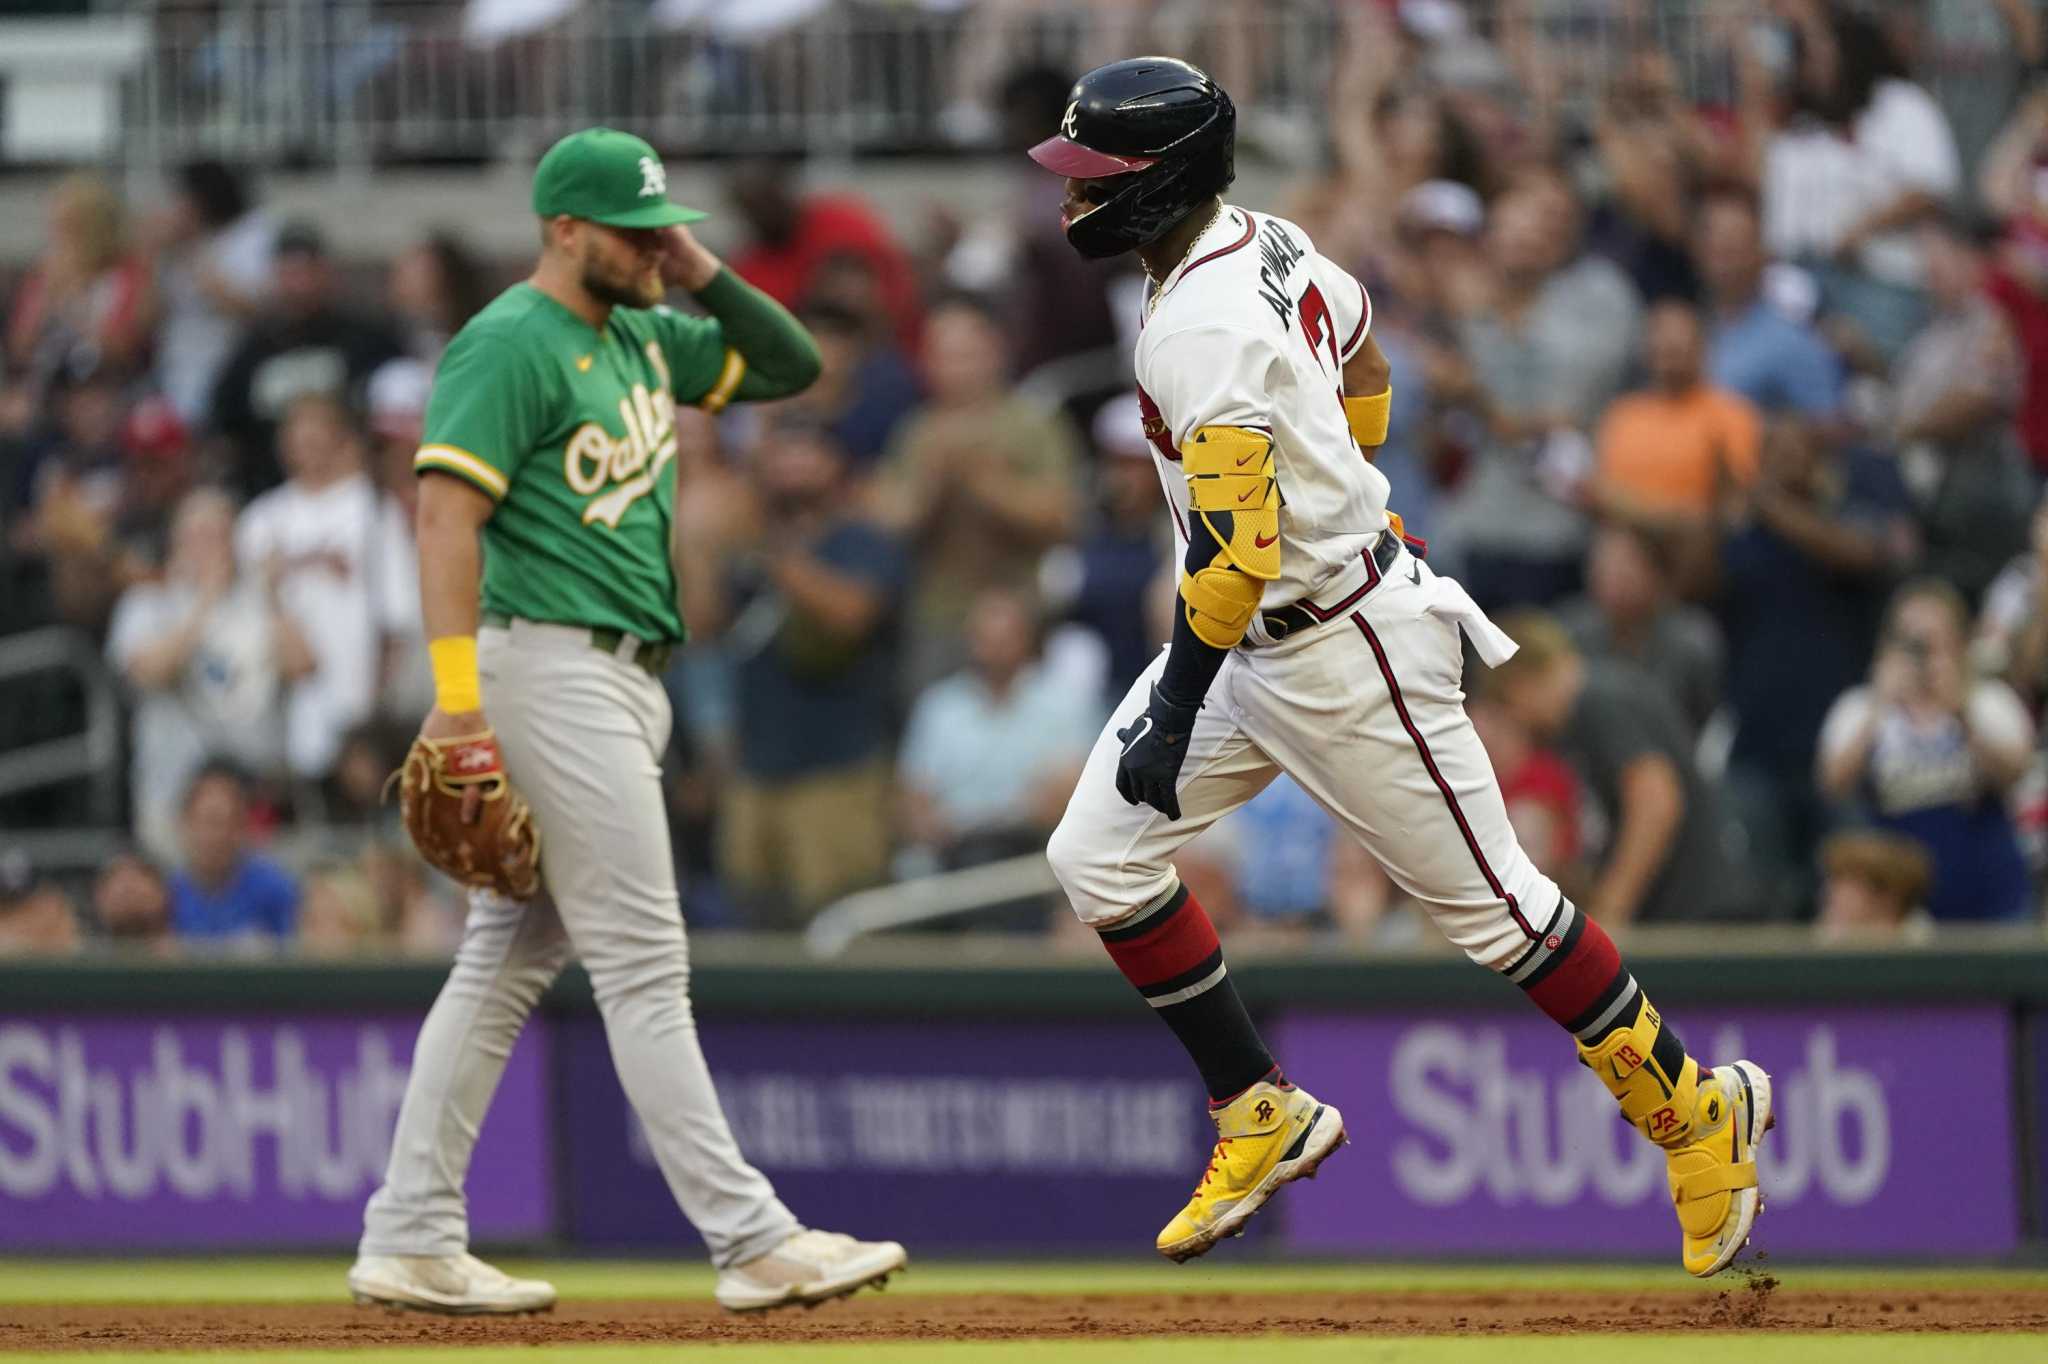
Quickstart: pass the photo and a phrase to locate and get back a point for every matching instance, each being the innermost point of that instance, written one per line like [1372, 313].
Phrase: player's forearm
[451, 515]
[781, 357]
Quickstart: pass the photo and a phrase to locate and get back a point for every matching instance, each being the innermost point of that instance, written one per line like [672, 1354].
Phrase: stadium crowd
[1734, 414]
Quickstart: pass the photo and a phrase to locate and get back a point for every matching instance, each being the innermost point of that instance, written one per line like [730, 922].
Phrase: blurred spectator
[1541, 793]
[339, 915]
[1285, 843]
[2018, 283]
[991, 753]
[981, 482]
[1978, 57]
[1804, 573]
[865, 386]
[1932, 753]
[1056, 304]
[1873, 890]
[1756, 349]
[795, 234]
[213, 251]
[808, 604]
[2012, 632]
[74, 488]
[1628, 613]
[1866, 155]
[1670, 455]
[36, 918]
[206, 652]
[85, 304]
[432, 288]
[1389, 133]
[2010, 182]
[337, 555]
[2014, 185]
[304, 343]
[222, 892]
[132, 903]
[1655, 152]
[1955, 389]
[1101, 582]
[1664, 857]
[158, 470]
[398, 408]
[1548, 340]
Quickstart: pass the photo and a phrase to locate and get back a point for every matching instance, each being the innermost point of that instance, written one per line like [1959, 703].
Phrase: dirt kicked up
[1759, 1305]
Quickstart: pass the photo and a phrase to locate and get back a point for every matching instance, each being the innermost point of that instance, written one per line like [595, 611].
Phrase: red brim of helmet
[1062, 156]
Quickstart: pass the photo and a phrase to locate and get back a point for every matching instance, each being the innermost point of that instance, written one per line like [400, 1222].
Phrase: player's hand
[685, 262]
[1155, 745]
[441, 724]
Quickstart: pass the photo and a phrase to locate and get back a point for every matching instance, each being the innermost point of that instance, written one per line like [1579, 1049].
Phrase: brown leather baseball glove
[464, 816]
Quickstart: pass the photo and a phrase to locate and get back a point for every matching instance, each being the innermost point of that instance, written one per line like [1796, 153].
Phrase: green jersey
[572, 432]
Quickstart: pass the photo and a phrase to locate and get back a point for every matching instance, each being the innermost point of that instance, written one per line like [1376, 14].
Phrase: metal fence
[361, 82]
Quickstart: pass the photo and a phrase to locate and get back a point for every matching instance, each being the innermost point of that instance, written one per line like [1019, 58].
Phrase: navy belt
[1283, 621]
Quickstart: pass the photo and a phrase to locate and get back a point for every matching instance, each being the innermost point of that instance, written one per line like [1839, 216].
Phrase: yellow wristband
[1368, 416]
[457, 690]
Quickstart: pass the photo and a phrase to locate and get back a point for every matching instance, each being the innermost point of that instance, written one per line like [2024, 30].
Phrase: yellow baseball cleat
[1267, 1136]
[1713, 1173]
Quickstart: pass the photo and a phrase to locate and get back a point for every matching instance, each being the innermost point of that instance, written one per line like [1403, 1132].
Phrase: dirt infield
[1760, 1304]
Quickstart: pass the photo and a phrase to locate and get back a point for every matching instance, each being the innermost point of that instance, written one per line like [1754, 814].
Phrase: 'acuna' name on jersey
[1278, 255]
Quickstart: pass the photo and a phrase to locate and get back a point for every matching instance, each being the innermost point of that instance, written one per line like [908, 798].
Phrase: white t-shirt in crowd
[1918, 762]
[226, 704]
[1818, 184]
[195, 338]
[348, 578]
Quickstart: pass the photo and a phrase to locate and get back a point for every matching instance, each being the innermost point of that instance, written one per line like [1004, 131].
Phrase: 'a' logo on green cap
[609, 177]
[653, 179]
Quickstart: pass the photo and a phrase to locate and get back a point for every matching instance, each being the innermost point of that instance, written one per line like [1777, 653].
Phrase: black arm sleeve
[1191, 663]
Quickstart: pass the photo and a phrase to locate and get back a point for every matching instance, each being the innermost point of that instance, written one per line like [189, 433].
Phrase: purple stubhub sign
[271, 1130]
[959, 1135]
[1483, 1134]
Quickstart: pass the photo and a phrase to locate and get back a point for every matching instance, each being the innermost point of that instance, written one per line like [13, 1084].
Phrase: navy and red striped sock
[1173, 957]
[1576, 975]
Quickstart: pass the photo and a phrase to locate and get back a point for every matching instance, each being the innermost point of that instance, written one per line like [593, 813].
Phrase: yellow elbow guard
[1230, 471]
[1220, 601]
[1368, 416]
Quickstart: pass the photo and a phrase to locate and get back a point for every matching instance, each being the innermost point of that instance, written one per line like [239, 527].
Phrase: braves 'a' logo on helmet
[1067, 124]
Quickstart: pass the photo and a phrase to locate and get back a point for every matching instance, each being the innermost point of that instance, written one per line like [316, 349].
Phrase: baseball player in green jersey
[547, 484]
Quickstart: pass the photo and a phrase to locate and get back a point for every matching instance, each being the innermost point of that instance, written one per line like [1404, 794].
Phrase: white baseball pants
[1366, 712]
[582, 735]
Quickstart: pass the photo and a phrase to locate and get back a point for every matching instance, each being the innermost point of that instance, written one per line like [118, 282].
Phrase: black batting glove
[1155, 744]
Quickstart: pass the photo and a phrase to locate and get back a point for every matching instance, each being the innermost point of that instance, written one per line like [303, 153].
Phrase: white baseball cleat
[461, 1285]
[809, 1268]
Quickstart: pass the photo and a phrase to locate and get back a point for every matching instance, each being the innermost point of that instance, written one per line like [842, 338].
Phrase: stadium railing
[351, 83]
[91, 756]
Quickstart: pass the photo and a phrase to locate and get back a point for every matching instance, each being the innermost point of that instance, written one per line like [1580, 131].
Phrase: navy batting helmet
[1162, 129]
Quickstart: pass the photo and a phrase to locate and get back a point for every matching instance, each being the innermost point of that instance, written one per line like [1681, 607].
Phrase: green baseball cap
[609, 177]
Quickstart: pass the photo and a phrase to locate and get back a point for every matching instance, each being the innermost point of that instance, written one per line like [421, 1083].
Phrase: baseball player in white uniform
[1311, 638]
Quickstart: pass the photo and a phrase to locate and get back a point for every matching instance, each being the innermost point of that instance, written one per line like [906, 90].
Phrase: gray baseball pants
[582, 735]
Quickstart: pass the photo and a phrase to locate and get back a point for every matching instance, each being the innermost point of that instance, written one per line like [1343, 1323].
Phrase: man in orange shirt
[1670, 452]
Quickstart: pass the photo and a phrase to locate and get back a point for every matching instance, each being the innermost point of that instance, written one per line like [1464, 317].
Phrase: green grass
[1844, 1349]
[207, 1279]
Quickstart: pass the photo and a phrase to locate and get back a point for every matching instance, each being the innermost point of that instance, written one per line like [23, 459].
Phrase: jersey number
[1320, 331]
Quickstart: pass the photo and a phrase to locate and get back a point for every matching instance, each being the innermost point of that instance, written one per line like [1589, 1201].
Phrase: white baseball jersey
[1253, 329]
